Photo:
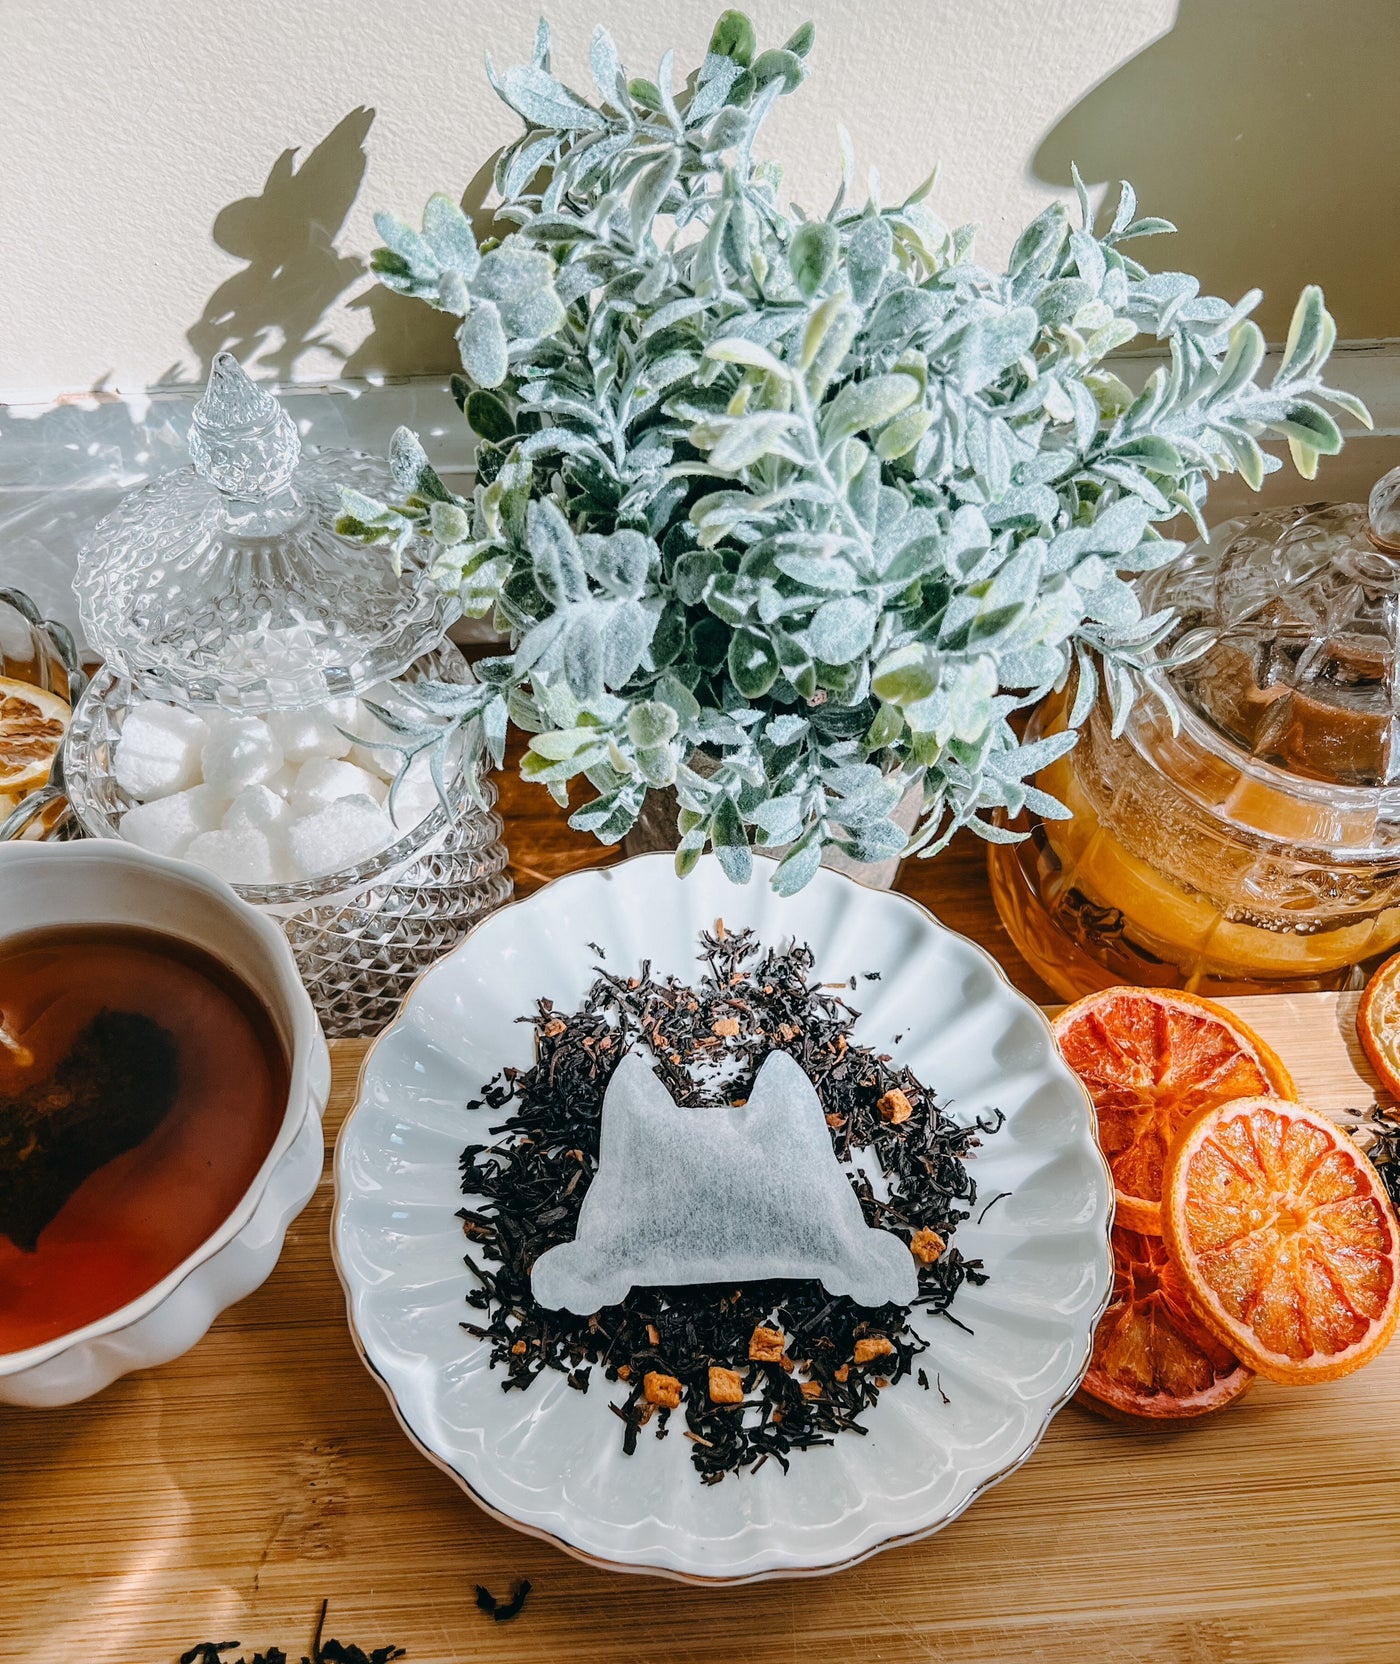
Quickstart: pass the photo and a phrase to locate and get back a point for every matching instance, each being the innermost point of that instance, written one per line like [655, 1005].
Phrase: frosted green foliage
[818, 502]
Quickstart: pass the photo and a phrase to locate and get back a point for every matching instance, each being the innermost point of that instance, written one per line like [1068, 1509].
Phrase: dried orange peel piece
[1154, 1360]
[1378, 1024]
[1149, 1059]
[1285, 1237]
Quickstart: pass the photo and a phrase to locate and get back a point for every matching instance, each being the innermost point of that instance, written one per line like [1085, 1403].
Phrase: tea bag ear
[622, 1209]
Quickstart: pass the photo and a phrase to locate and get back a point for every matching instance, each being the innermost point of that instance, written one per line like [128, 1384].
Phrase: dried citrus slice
[1286, 1239]
[1149, 1059]
[1154, 1360]
[1378, 1024]
[32, 724]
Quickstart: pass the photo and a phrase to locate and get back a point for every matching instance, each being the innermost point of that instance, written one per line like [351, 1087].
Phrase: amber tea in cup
[142, 1086]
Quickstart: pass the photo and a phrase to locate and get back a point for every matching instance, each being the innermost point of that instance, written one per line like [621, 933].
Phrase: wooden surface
[224, 1495]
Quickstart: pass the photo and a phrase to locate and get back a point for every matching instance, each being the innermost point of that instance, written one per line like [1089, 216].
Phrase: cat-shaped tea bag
[721, 1195]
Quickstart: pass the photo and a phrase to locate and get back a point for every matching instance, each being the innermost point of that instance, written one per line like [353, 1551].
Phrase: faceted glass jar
[361, 936]
[1242, 833]
[227, 586]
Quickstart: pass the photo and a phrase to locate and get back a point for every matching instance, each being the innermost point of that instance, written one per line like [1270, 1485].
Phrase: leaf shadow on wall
[274, 311]
[270, 311]
[1266, 131]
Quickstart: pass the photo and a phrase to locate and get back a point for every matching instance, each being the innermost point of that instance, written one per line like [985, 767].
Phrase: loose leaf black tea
[109, 1092]
[503, 1610]
[761, 1370]
[1380, 1139]
[329, 1651]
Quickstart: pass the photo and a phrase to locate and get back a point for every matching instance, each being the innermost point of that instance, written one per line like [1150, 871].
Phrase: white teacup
[103, 882]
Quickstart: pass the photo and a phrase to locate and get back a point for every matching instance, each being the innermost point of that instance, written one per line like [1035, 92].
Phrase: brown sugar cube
[555, 1027]
[894, 1107]
[811, 1389]
[661, 1390]
[726, 1028]
[927, 1246]
[872, 1347]
[766, 1345]
[725, 1386]
[624, 1372]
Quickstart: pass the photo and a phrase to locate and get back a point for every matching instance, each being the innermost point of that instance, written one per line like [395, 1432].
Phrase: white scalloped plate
[549, 1460]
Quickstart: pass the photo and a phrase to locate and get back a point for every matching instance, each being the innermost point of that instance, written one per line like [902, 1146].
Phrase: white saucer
[549, 1460]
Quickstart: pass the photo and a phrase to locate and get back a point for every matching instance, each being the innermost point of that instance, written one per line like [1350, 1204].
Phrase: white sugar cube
[257, 809]
[313, 733]
[158, 750]
[166, 825]
[240, 752]
[323, 780]
[339, 835]
[245, 857]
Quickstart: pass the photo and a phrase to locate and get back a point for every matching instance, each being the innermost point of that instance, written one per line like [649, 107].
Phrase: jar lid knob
[241, 440]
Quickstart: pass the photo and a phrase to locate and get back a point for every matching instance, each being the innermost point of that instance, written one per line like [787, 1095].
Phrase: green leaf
[448, 232]
[905, 677]
[992, 346]
[734, 37]
[450, 523]
[779, 64]
[731, 842]
[867, 404]
[868, 257]
[1311, 334]
[687, 860]
[481, 340]
[841, 630]
[886, 728]
[735, 349]
[753, 663]
[899, 437]
[1310, 425]
[812, 255]
[798, 866]
[801, 39]
[545, 102]
[746, 441]
[488, 417]
[650, 192]
[652, 723]
[608, 74]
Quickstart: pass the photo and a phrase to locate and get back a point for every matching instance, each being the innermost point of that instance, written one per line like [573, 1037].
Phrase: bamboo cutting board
[225, 1495]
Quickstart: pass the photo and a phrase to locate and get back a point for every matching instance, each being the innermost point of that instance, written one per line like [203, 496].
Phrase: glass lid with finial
[1288, 637]
[226, 582]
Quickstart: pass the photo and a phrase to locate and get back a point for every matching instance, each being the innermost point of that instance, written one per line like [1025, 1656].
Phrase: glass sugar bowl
[1242, 834]
[246, 646]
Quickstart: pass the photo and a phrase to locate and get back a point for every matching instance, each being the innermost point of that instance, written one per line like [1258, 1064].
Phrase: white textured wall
[176, 177]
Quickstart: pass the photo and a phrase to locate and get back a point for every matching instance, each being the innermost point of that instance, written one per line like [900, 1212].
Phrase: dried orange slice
[1378, 1024]
[1286, 1239]
[32, 725]
[1154, 1360]
[1150, 1058]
